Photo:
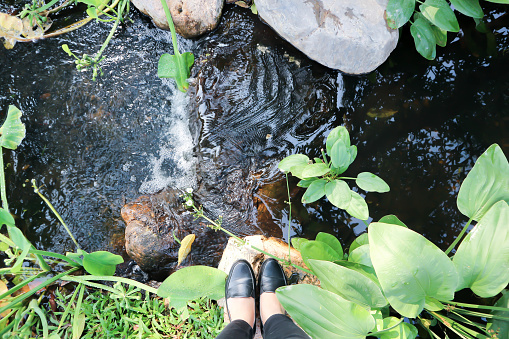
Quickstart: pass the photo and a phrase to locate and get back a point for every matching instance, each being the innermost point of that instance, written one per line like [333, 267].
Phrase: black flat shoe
[271, 276]
[241, 283]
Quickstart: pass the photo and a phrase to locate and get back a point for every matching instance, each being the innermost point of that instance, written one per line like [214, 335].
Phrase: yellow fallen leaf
[381, 113]
[3, 302]
[10, 29]
[185, 247]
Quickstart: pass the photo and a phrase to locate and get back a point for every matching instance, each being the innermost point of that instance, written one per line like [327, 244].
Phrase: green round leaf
[315, 170]
[371, 183]
[101, 262]
[424, 38]
[440, 14]
[359, 241]
[410, 268]
[470, 8]
[361, 255]
[358, 207]
[12, 131]
[287, 163]
[340, 156]
[298, 169]
[347, 283]
[6, 218]
[323, 314]
[306, 182]
[339, 194]
[297, 242]
[338, 133]
[402, 331]
[315, 191]
[332, 241]
[482, 259]
[485, 184]
[317, 250]
[399, 12]
[392, 219]
[440, 36]
[193, 282]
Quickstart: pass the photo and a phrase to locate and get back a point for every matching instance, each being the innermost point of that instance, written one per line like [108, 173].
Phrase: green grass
[135, 315]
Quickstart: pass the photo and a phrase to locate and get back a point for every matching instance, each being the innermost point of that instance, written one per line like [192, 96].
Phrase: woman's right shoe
[241, 283]
[271, 276]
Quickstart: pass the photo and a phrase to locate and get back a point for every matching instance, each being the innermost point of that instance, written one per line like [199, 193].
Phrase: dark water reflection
[418, 124]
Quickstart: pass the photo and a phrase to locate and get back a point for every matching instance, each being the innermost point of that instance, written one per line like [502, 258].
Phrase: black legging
[278, 326]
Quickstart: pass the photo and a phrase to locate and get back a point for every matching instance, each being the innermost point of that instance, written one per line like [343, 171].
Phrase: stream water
[254, 99]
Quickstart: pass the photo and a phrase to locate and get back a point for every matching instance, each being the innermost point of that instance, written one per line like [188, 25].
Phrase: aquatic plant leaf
[485, 184]
[398, 12]
[339, 194]
[18, 238]
[12, 131]
[6, 218]
[291, 161]
[482, 259]
[431, 304]
[367, 271]
[361, 255]
[323, 314]
[358, 207]
[392, 219]
[439, 13]
[470, 8]
[424, 38]
[340, 156]
[76, 256]
[338, 133]
[185, 247]
[315, 170]
[359, 241]
[347, 283]
[330, 240]
[193, 282]
[101, 262]
[371, 183]
[402, 331]
[176, 66]
[297, 242]
[500, 326]
[304, 183]
[318, 250]
[410, 268]
[314, 192]
[499, 1]
[440, 36]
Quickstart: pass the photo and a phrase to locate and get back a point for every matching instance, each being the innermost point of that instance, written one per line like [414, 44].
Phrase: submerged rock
[348, 35]
[192, 18]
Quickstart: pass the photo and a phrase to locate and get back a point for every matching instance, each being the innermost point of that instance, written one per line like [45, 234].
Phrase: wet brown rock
[191, 17]
[152, 221]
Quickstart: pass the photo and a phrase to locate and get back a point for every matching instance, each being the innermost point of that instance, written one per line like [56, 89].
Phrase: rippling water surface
[254, 99]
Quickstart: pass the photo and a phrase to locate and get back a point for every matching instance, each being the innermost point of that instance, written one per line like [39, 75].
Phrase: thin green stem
[36, 190]
[459, 317]
[83, 279]
[5, 205]
[56, 255]
[112, 32]
[289, 218]
[45, 7]
[480, 314]
[348, 178]
[459, 329]
[21, 285]
[482, 307]
[172, 27]
[325, 157]
[458, 238]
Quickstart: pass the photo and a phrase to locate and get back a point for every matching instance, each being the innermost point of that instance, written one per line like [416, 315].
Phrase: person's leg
[276, 325]
[240, 302]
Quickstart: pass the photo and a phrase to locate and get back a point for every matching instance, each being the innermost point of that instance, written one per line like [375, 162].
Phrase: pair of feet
[241, 286]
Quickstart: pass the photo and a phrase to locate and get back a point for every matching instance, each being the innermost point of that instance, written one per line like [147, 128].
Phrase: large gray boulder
[192, 18]
[348, 35]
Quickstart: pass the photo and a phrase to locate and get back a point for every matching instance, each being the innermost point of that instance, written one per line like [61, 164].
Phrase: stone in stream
[192, 18]
[349, 35]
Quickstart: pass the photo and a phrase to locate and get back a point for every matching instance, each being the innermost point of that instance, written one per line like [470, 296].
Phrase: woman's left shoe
[241, 283]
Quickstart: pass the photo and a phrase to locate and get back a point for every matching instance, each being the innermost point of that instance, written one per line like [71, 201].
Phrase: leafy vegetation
[432, 20]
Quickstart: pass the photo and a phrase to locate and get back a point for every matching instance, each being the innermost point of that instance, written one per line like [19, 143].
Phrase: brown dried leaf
[10, 29]
[185, 247]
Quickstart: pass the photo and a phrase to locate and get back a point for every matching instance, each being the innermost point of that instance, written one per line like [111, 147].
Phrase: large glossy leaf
[501, 326]
[323, 314]
[399, 12]
[315, 191]
[410, 268]
[340, 156]
[338, 133]
[371, 183]
[367, 271]
[12, 131]
[402, 331]
[485, 184]
[392, 219]
[361, 255]
[332, 241]
[440, 14]
[315, 170]
[469, 7]
[424, 38]
[287, 163]
[440, 36]
[482, 259]
[339, 194]
[358, 207]
[297, 242]
[349, 284]
[359, 241]
[101, 262]
[318, 250]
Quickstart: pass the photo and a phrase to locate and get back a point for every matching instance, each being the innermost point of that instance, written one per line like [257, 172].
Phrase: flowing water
[254, 99]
